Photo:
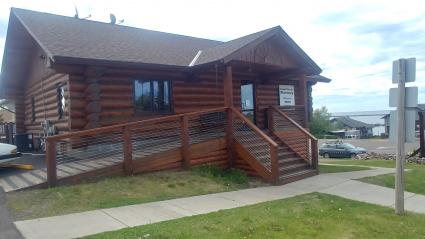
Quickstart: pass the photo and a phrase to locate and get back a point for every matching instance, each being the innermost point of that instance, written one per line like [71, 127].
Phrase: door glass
[247, 100]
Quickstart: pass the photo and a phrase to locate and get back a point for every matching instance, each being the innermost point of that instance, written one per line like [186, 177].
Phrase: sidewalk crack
[116, 219]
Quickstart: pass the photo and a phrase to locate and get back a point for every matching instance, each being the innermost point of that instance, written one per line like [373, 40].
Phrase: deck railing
[259, 145]
[125, 143]
[293, 135]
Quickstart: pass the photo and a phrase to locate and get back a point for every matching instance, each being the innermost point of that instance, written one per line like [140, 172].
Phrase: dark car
[340, 150]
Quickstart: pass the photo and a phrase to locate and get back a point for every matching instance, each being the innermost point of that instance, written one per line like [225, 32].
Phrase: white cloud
[333, 32]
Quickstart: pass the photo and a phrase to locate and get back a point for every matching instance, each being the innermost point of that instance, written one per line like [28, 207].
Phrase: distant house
[349, 124]
[386, 118]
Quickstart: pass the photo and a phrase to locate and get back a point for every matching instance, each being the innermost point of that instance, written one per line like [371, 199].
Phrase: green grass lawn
[339, 169]
[307, 216]
[120, 191]
[415, 177]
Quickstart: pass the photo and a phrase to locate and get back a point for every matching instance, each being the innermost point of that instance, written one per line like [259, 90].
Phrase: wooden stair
[291, 166]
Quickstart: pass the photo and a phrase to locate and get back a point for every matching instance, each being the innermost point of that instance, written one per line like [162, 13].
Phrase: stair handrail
[314, 146]
[293, 122]
[254, 127]
[270, 141]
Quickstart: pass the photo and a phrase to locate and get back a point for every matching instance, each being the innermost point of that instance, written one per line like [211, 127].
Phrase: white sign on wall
[286, 95]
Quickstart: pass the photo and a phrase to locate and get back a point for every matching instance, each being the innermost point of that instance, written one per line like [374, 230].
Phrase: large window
[152, 96]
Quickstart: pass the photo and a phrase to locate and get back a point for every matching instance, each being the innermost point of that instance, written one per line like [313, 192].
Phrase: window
[60, 93]
[32, 109]
[152, 96]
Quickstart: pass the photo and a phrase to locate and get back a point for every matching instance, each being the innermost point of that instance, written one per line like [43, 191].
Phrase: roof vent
[114, 19]
[192, 63]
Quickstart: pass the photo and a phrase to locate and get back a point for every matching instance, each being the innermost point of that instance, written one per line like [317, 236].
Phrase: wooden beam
[303, 97]
[128, 151]
[228, 87]
[230, 137]
[184, 127]
[228, 102]
[51, 162]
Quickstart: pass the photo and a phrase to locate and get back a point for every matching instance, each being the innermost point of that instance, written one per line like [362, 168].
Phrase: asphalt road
[37, 161]
[377, 145]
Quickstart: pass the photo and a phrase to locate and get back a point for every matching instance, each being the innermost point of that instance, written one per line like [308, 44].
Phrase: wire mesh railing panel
[90, 147]
[252, 142]
[207, 126]
[148, 139]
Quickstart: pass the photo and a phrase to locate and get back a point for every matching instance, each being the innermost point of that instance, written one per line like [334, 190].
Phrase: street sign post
[404, 70]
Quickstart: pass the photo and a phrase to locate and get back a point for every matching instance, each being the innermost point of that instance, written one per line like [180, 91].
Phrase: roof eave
[56, 60]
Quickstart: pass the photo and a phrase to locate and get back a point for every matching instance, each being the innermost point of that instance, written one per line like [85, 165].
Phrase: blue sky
[354, 42]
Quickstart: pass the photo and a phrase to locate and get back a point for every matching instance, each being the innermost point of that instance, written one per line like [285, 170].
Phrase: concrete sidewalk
[92, 222]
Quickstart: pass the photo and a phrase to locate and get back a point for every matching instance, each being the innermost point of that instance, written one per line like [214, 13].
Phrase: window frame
[137, 109]
[59, 101]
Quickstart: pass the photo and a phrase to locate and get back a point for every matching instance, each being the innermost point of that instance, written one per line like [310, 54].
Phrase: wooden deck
[283, 153]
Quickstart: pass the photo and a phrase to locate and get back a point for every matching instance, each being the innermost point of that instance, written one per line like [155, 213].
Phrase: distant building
[359, 129]
[386, 118]
[374, 118]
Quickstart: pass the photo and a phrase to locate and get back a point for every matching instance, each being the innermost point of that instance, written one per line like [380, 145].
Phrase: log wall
[42, 83]
[114, 102]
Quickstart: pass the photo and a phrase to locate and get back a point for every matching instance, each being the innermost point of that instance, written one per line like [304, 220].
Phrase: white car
[8, 153]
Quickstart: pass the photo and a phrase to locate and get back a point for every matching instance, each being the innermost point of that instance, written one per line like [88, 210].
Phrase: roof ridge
[15, 10]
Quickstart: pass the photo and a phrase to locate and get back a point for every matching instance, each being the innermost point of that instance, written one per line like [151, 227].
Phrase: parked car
[8, 153]
[338, 149]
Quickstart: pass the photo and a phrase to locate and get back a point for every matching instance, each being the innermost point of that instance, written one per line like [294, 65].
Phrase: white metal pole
[401, 136]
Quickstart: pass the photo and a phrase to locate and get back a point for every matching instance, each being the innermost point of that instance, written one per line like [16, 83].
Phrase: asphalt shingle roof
[79, 38]
[71, 38]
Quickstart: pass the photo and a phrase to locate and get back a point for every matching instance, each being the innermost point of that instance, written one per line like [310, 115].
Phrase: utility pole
[401, 137]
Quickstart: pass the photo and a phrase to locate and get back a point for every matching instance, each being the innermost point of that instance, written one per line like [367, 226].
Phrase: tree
[320, 123]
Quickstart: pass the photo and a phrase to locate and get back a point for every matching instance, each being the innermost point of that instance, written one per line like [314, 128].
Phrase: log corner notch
[228, 102]
[92, 92]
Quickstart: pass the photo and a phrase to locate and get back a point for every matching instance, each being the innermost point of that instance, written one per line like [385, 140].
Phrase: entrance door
[248, 99]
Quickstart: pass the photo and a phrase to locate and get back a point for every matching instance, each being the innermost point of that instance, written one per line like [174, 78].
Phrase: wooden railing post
[128, 151]
[270, 120]
[229, 137]
[274, 163]
[314, 153]
[184, 126]
[51, 162]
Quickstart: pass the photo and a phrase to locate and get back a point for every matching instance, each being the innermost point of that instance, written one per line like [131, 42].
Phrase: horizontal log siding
[188, 95]
[46, 104]
[268, 94]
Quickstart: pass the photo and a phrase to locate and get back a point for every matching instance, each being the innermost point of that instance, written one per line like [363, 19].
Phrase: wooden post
[401, 137]
[274, 163]
[51, 162]
[314, 153]
[421, 134]
[228, 102]
[270, 120]
[303, 97]
[128, 151]
[228, 87]
[184, 127]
